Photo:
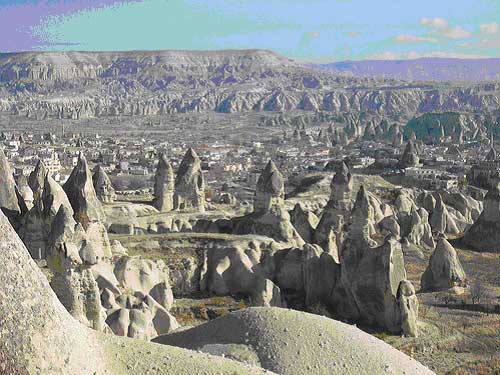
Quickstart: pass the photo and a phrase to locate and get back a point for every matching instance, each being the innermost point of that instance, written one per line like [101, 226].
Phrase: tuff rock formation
[8, 197]
[81, 193]
[36, 178]
[444, 270]
[36, 224]
[441, 220]
[270, 217]
[409, 157]
[102, 185]
[329, 231]
[189, 191]
[39, 336]
[164, 185]
[304, 221]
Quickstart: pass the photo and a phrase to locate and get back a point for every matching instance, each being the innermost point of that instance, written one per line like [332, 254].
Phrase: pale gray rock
[189, 191]
[408, 308]
[8, 197]
[36, 178]
[335, 347]
[444, 270]
[410, 156]
[103, 186]
[81, 193]
[164, 185]
[484, 234]
[40, 337]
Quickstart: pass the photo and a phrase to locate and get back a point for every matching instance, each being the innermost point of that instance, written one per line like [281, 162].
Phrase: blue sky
[307, 30]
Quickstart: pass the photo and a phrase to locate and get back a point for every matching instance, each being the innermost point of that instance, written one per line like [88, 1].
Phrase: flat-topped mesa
[444, 270]
[81, 194]
[37, 178]
[8, 197]
[484, 234]
[409, 157]
[102, 185]
[189, 191]
[164, 185]
[270, 189]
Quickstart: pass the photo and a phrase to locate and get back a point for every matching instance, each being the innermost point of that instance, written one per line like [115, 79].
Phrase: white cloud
[440, 27]
[490, 28]
[412, 55]
[457, 33]
[404, 38]
[437, 23]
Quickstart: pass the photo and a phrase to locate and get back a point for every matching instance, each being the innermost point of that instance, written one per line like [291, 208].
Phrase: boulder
[444, 270]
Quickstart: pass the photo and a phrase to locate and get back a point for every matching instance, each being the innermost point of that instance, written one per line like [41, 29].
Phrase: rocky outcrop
[26, 194]
[36, 224]
[444, 270]
[441, 220]
[362, 219]
[410, 156]
[80, 191]
[408, 308]
[8, 197]
[329, 232]
[164, 185]
[40, 337]
[270, 189]
[146, 278]
[270, 217]
[36, 179]
[103, 186]
[304, 221]
[189, 191]
[238, 270]
[369, 283]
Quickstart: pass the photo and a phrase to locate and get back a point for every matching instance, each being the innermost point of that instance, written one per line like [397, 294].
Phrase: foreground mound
[38, 336]
[293, 343]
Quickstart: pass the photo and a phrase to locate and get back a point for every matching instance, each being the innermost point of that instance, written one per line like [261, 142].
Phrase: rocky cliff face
[76, 85]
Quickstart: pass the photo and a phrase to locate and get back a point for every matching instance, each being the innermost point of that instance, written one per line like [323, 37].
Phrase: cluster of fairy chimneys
[184, 192]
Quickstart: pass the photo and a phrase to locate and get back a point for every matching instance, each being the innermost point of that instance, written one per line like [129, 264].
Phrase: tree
[477, 292]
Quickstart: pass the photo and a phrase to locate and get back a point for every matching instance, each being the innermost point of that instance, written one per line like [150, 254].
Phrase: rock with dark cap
[81, 194]
[103, 186]
[409, 157]
[270, 189]
[189, 191]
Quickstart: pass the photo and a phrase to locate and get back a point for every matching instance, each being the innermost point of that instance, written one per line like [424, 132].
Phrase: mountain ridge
[421, 69]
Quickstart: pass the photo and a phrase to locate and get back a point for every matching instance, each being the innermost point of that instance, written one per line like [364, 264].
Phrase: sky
[306, 30]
